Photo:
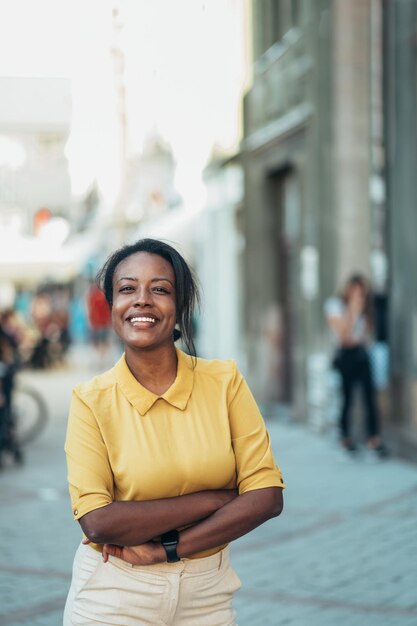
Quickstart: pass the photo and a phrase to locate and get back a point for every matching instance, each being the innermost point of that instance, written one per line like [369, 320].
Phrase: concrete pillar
[351, 135]
[401, 131]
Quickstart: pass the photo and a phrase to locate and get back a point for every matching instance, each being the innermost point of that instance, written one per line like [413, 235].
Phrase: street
[343, 552]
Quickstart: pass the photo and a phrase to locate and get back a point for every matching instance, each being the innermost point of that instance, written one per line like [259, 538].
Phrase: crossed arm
[212, 518]
[219, 516]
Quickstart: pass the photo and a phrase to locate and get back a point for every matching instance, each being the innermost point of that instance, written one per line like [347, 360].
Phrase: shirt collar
[142, 399]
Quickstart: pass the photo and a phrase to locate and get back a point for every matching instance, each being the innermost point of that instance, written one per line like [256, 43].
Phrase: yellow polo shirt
[205, 432]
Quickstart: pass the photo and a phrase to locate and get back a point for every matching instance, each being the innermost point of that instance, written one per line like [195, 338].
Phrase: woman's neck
[156, 370]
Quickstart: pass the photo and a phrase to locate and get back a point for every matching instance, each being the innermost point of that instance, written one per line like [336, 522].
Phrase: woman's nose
[143, 297]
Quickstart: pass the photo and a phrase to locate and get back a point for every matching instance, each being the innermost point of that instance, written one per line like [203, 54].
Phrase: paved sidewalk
[343, 553]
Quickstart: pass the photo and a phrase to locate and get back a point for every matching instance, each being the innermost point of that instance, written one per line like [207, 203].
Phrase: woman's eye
[161, 290]
[125, 288]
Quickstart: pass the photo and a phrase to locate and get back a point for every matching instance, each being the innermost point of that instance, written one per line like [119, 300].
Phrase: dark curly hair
[187, 292]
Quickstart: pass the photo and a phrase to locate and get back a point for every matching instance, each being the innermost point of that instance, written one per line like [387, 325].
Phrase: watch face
[170, 541]
[170, 537]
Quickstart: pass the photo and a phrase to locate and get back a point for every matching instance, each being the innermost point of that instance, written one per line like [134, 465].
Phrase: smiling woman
[144, 302]
[184, 285]
[168, 460]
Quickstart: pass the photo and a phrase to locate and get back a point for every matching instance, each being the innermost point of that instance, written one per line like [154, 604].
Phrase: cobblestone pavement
[343, 553]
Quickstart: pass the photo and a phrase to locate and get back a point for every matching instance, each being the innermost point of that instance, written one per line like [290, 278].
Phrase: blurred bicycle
[30, 413]
[21, 421]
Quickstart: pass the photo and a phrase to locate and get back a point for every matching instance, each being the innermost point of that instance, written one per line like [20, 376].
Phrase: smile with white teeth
[142, 319]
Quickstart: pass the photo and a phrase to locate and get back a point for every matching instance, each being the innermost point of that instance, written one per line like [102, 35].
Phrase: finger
[111, 550]
[106, 552]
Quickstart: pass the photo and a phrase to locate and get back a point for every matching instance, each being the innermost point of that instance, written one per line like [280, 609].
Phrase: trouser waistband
[215, 561]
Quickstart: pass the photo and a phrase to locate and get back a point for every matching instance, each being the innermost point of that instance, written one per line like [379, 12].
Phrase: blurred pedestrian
[350, 318]
[9, 363]
[99, 319]
[168, 460]
[42, 317]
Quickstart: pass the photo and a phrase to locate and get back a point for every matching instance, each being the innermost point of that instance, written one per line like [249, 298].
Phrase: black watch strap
[170, 541]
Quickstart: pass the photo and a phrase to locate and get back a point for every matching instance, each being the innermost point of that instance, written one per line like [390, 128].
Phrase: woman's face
[144, 301]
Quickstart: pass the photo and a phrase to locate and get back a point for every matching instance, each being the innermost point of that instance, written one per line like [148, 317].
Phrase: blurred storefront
[333, 93]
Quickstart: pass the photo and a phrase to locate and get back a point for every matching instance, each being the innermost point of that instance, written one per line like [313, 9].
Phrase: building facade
[289, 191]
[327, 192]
[33, 165]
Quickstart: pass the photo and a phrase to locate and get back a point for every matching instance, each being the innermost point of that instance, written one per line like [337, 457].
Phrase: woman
[350, 319]
[168, 460]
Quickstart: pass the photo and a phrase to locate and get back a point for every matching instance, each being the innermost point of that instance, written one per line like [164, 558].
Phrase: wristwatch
[170, 541]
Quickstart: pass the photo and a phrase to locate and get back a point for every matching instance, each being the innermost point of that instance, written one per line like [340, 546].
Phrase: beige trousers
[192, 592]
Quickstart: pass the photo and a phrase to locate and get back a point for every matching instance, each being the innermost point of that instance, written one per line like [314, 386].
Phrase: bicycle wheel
[30, 414]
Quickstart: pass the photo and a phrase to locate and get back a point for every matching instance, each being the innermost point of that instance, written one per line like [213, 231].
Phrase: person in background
[9, 364]
[169, 460]
[41, 313]
[350, 318]
[99, 320]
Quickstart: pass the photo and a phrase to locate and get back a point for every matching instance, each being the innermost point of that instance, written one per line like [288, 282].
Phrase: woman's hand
[148, 553]
[356, 301]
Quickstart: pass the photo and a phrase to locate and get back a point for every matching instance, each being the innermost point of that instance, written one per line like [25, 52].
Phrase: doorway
[285, 217]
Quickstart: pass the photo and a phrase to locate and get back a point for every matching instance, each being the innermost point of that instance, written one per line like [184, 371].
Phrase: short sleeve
[255, 464]
[90, 477]
[333, 307]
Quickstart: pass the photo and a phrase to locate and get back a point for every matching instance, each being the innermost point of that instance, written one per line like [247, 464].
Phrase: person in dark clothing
[350, 318]
[8, 367]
